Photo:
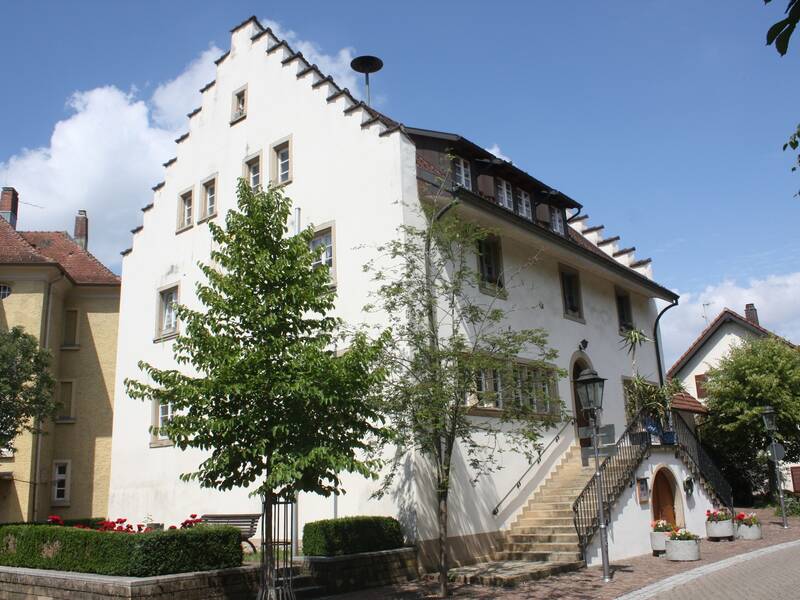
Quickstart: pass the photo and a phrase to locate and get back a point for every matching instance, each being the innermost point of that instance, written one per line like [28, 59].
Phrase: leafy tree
[26, 386]
[452, 353]
[265, 392]
[757, 373]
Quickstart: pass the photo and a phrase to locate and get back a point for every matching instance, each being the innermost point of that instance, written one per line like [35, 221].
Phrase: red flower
[172, 527]
[192, 516]
[55, 520]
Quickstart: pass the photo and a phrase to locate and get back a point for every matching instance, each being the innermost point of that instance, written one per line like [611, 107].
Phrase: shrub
[106, 553]
[792, 507]
[350, 535]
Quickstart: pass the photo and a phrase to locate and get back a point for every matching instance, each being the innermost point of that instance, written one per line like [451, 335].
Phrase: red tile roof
[687, 402]
[55, 248]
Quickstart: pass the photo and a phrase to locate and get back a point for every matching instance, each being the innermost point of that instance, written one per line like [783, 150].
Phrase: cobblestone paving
[629, 575]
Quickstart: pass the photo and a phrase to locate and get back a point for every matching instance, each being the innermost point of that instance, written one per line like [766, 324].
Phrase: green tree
[264, 391]
[757, 373]
[452, 354]
[26, 386]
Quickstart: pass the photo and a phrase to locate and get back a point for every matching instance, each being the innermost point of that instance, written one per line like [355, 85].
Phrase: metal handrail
[538, 460]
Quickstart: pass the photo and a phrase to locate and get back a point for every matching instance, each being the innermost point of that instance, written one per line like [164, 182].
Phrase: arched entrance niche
[666, 497]
[578, 363]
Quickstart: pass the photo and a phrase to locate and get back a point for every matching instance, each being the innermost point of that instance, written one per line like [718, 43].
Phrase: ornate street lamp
[770, 424]
[589, 386]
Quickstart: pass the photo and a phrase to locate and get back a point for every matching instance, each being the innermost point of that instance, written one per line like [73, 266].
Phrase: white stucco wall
[629, 524]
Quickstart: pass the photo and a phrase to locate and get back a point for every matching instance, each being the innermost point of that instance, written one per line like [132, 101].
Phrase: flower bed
[119, 548]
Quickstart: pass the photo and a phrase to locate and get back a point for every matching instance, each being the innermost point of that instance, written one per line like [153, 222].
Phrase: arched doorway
[581, 420]
[666, 498]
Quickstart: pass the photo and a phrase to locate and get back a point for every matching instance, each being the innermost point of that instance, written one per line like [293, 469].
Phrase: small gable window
[185, 210]
[524, 206]
[239, 108]
[557, 220]
[462, 174]
[505, 194]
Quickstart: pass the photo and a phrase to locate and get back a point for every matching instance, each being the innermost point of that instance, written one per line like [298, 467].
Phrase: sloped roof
[15, 249]
[726, 316]
[688, 403]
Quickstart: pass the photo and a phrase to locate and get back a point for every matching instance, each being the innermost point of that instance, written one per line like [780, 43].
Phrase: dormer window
[505, 194]
[557, 220]
[524, 206]
[462, 174]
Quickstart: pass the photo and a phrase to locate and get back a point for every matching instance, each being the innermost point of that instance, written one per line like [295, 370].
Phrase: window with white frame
[66, 390]
[489, 388]
[185, 210]
[505, 194]
[167, 317]
[61, 482]
[323, 242]
[536, 387]
[557, 220]
[524, 205]
[283, 163]
[70, 335]
[253, 169]
[490, 261]
[239, 108]
[462, 174]
[210, 198]
[165, 412]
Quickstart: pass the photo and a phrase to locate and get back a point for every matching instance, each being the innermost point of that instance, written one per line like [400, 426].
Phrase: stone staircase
[542, 540]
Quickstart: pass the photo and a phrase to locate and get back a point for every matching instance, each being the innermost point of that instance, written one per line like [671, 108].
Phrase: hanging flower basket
[683, 546]
[748, 527]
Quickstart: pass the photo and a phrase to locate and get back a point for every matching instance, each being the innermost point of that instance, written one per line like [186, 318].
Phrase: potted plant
[683, 545]
[748, 527]
[719, 524]
[659, 532]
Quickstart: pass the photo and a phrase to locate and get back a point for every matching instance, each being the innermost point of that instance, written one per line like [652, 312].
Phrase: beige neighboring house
[711, 346]
[54, 288]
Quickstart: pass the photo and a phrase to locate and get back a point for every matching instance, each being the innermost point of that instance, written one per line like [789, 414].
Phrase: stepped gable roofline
[688, 403]
[726, 316]
[499, 165]
[250, 19]
[574, 243]
[208, 86]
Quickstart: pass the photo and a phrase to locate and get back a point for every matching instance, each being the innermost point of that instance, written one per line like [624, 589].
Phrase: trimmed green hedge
[351, 535]
[200, 548]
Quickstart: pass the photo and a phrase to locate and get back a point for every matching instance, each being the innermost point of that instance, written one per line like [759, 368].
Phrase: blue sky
[664, 119]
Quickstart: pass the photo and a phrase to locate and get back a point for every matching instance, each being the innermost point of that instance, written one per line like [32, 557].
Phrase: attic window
[557, 220]
[462, 175]
[524, 206]
[5, 291]
[505, 194]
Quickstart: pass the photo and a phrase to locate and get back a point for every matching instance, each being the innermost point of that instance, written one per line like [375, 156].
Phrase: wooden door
[663, 498]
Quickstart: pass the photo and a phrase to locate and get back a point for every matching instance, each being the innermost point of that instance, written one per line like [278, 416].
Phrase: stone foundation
[359, 571]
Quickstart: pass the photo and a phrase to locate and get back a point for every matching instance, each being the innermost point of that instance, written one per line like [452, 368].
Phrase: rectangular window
[210, 198]
[489, 388]
[253, 170]
[462, 174]
[65, 396]
[557, 220]
[624, 311]
[323, 239]
[490, 261]
[700, 385]
[167, 320]
[505, 194]
[239, 108]
[283, 163]
[524, 206]
[61, 481]
[537, 388]
[165, 412]
[571, 293]
[185, 211]
[70, 338]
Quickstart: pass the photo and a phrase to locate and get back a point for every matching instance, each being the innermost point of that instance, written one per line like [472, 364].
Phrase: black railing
[538, 460]
[618, 471]
[687, 441]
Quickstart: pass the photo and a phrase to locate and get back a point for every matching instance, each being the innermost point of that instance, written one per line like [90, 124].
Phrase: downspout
[44, 343]
[656, 341]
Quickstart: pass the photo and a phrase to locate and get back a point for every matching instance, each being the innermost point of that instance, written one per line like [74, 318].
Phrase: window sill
[161, 443]
[71, 347]
[165, 337]
[65, 421]
[184, 228]
[277, 185]
[490, 289]
[580, 320]
[207, 219]
[238, 119]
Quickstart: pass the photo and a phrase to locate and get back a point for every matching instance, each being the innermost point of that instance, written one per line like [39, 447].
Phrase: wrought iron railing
[531, 466]
[618, 471]
[704, 464]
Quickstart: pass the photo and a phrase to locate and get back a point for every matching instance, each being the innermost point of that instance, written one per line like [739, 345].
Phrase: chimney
[81, 234]
[9, 205]
[751, 314]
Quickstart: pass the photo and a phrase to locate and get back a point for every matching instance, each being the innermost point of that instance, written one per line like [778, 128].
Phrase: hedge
[351, 535]
[200, 548]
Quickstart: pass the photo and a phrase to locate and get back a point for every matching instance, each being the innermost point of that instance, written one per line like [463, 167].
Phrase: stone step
[542, 547]
[554, 557]
[548, 505]
[546, 514]
[545, 522]
[543, 529]
[543, 538]
[509, 573]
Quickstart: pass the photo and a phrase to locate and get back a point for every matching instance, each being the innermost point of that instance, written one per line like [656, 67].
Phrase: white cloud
[336, 65]
[104, 157]
[775, 297]
[495, 149]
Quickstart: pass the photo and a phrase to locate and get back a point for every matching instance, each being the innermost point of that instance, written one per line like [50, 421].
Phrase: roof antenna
[366, 64]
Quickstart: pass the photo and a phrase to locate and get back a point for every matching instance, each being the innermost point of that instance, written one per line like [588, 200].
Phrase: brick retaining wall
[359, 571]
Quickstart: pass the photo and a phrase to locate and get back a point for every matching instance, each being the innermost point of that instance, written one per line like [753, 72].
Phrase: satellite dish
[366, 64]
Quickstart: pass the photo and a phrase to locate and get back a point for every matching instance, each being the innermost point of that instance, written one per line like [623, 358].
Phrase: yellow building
[54, 288]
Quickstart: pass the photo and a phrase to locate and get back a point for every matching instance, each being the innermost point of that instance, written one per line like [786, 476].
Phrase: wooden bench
[246, 524]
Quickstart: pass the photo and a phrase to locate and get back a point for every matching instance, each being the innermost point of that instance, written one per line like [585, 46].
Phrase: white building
[356, 176]
[726, 331]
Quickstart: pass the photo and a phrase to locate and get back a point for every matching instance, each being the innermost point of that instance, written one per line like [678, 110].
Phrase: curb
[669, 583]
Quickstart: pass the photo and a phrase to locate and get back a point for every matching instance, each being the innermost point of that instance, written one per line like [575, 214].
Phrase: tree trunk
[443, 567]
[268, 588]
